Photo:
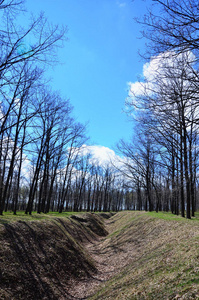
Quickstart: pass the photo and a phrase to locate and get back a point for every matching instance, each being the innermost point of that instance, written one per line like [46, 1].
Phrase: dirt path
[105, 266]
[109, 258]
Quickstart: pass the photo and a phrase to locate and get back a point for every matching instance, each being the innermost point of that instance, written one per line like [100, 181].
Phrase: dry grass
[156, 258]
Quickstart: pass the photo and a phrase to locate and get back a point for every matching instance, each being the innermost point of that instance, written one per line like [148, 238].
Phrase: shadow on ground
[38, 259]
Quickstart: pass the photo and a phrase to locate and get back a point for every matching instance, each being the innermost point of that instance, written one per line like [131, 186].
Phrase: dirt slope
[38, 259]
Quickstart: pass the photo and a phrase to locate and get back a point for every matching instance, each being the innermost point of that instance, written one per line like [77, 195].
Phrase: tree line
[162, 158]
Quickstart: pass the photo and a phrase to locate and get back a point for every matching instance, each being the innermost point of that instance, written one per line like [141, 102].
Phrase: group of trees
[42, 167]
[37, 128]
[162, 160]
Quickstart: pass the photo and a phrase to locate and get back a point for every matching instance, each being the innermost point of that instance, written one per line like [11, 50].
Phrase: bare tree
[171, 25]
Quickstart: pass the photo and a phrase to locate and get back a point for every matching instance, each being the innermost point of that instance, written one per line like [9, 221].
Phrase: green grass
[21, 216]
[171, 217]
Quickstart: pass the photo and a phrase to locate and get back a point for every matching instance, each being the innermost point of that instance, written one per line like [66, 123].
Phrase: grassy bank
[161, 253]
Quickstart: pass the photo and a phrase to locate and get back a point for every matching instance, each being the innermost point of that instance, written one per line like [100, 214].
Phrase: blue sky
[98, 60]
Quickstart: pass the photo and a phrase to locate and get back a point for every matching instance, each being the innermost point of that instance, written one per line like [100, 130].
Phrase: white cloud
[164, 75]
[100, 154]
[159, 69]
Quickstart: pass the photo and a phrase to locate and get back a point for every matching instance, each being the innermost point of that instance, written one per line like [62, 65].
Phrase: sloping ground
[39, 259]
[149, 258]
[144, 256]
